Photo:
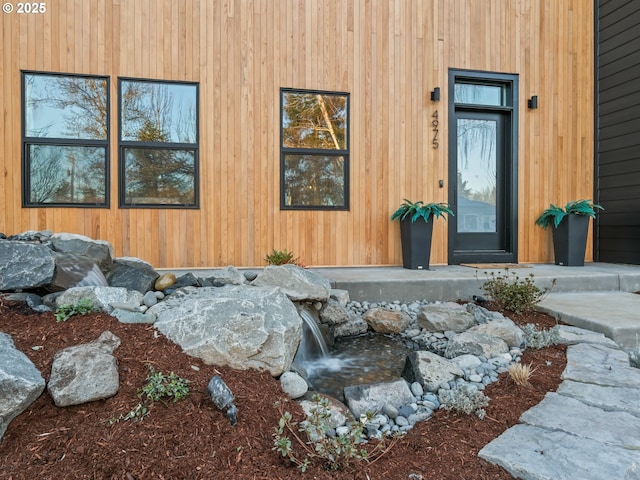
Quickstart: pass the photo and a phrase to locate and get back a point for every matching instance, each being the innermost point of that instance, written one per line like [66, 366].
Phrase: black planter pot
[416, 243]
[570, 240]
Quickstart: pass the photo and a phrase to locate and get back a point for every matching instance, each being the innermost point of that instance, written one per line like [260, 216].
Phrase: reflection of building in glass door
[476, 175]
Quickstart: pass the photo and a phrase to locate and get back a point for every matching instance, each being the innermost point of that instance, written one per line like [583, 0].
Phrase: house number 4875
[434, 123]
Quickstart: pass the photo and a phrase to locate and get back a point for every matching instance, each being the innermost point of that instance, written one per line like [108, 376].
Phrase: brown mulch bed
[192, 439]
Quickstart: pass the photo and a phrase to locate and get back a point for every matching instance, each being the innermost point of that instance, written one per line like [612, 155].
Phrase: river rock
[386, 321]
[85, 373]
[165, 281]
[20, 382]
[235, 326]
[293, 385]
[299, 284]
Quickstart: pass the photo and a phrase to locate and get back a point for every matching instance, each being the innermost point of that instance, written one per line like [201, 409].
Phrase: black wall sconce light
[435, 94]
[533, 102]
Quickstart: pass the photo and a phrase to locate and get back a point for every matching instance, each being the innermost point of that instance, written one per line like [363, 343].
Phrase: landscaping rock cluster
[245, 320]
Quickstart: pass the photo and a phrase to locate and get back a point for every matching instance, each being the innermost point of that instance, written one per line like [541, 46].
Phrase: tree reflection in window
[315, 156]
[158, 138]
[66, 135]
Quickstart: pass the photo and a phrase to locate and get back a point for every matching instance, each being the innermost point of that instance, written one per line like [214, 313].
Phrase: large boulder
[100, 251]
[297, 283]
[236, 326]
[387, 321]
[443, 317]
[85, 373]
[20, 382]
[25, 265]
[430, 370]
[102, 298]
[133, 274]
[503, 328]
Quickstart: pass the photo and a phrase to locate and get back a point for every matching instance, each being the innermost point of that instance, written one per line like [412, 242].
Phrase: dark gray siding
[618, 130]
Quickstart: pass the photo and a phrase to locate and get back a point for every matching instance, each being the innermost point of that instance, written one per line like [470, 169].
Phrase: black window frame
[345, 153]
[123, 145]
[28, 141]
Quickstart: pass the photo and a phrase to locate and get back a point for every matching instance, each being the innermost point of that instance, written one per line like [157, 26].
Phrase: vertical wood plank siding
[618, 160]
[388, 54]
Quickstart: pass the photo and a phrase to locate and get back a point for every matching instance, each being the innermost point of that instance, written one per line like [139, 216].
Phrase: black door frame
[509, 82]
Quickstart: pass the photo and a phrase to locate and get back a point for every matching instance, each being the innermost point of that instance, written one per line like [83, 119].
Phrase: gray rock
[127, 316]
[441, 317]
[466, 362]
[84, 373]
[384, 321]
[20, 382]
[390, 411]
[429, 369]
[332, 313]
[600, 365]
[297, 283]
[25, 265]
[133, 274]
[234, 326]
[475, 344]
[371, 398]
[621, 399]
[533, 453]
[558, 412]
[634, 357]
[570, 335]
[102, 298]
[355, 326]
[293, 385]
[339, 414]
[416, 389]
[504, 329]
[340, 296]
[100, 251]
[149, 299]
[227, 276]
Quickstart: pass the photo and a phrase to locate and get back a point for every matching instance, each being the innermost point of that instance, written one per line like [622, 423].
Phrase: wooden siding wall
[389, 54]
[618, 173]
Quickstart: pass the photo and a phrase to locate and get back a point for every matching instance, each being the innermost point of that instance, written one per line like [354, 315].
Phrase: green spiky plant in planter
[416, 231]
[570, 229]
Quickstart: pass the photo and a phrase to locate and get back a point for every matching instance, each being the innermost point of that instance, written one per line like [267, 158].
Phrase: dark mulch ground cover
[191, 439]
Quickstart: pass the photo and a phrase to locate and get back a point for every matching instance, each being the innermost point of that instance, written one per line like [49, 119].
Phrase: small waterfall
[77, 271]
[312, 346]
[93, 278]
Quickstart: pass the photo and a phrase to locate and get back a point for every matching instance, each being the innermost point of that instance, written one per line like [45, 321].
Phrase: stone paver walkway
[589, 429]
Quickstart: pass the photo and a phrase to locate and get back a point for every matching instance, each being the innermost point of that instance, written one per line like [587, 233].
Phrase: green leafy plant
[68, 310]
[281, 257]
[554, 214]
[421, 210]
[464, 399]
[509, 292]
[540, 338]
[336, 452]
[158, 388]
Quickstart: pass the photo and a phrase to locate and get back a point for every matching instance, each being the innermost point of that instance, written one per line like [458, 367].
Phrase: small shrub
[336, 452]
[464, 399]
[521, 373]
[509, 292]
[68, 310]
[281, 257]
[541, 338]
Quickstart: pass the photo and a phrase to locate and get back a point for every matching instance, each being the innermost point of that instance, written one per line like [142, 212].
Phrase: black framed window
[158, 144]
[65, 132]
[314, 150]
